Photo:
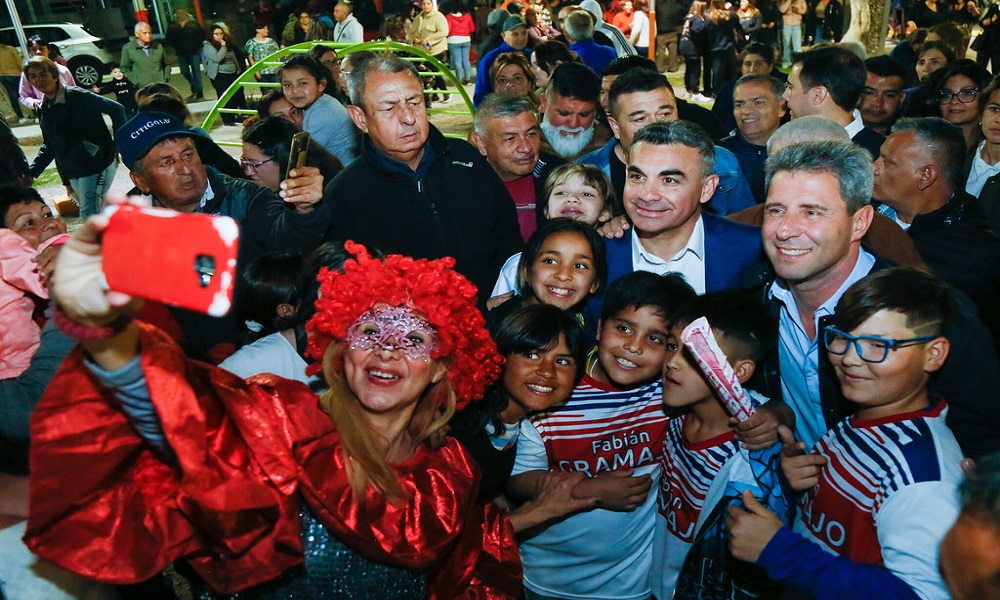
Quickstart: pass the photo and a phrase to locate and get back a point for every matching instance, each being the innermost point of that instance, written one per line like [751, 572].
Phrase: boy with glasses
[879, 489]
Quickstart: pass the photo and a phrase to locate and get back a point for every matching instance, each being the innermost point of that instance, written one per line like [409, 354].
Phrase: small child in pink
[27, 228]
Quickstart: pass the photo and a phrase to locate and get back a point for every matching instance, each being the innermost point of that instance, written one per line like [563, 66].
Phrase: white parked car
[89, 57]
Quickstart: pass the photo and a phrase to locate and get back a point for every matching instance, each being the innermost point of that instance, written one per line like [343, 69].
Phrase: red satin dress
[103, 505]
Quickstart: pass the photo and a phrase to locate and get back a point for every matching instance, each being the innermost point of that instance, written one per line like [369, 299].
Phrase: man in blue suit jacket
[669, 177]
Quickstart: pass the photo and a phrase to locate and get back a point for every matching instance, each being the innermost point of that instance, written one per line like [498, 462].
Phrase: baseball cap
[496, 18]
[140, 133]
[513, 22]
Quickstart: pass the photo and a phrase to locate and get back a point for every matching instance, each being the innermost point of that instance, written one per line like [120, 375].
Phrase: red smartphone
[180, 259]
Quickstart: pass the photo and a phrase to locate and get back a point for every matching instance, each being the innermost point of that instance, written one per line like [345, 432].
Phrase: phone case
[180, 259]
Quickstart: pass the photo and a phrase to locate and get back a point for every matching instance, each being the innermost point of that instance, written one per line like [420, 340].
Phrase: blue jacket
[594, 55]
[731, 250]
[732, 195]
[484, 87]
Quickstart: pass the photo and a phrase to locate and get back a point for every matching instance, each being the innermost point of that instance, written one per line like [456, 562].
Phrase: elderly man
[817, 211]
[828, 82]
[75, 135]
[569, 110]
[918, 181]
[883, 95]
[640, 97]
[144, 61]
[347, 28]
[670, 177]
[757, 109]
[508, 135]
[413, 191]
[515, 39]
[579, 30]
[969, 560]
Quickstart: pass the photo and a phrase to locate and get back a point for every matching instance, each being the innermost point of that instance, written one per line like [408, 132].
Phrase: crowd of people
[465, 369]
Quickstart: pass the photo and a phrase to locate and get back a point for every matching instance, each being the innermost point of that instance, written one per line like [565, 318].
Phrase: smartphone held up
[180, 259]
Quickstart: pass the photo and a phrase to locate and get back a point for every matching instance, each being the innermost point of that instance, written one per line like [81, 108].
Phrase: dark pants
[723, 67]
[692, 73]
[190, 65]
[221, 83]
[11, 84]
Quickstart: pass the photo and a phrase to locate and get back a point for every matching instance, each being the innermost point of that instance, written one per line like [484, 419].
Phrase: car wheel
[86, 72]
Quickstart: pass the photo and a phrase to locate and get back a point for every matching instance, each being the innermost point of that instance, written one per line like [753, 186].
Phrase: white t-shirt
[507, 281]
[270, 354]
[598, 553]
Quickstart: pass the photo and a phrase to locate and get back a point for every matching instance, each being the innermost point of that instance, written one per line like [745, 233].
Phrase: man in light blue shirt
[817, 211]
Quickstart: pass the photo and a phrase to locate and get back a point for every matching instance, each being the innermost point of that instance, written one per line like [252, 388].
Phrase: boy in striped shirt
[612, 430]
[705, 469]
[880, 487]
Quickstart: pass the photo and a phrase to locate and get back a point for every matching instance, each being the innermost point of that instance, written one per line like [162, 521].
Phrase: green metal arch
[415, 55]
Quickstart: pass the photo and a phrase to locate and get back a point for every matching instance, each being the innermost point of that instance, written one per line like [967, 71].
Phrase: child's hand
[46, 261]
[759, 431]
[303, 188]
[496, 301]
[615, 227]
[801, 470]
[616, 490]
[750, 530]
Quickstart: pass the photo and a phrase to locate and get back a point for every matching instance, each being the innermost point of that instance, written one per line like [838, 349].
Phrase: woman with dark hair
[266, 144]
[544, 60]
[224, 62]
[932, 56]
[544, 350]
[327, 56]
[952, 93]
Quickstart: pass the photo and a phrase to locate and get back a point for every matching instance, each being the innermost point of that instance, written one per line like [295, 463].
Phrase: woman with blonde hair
[259, 486]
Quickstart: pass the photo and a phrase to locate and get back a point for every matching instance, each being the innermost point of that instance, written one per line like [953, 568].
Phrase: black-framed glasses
[964, 96]
[249, 167]
[870, 348]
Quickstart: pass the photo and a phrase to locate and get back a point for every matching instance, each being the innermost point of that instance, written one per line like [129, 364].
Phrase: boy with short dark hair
[880, 487]
[123, 89]
[704, 467]
[611, 429]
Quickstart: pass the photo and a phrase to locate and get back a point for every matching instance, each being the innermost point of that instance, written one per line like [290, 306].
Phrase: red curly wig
[430, 287]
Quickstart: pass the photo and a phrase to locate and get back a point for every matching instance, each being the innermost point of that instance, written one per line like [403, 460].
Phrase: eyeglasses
[250, 167]
[871, 349]
[964, 96]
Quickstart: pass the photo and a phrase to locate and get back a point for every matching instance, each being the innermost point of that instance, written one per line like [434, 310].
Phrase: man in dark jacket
[164, 163]
[186, 37]
[817, 210]
[918, 180]
[75, 135]
[414, 191]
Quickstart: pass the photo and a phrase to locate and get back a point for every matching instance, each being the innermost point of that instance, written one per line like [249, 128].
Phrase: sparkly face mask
[391, 328]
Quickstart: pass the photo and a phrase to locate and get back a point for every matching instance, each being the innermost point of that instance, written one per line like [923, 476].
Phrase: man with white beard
[569, 110]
